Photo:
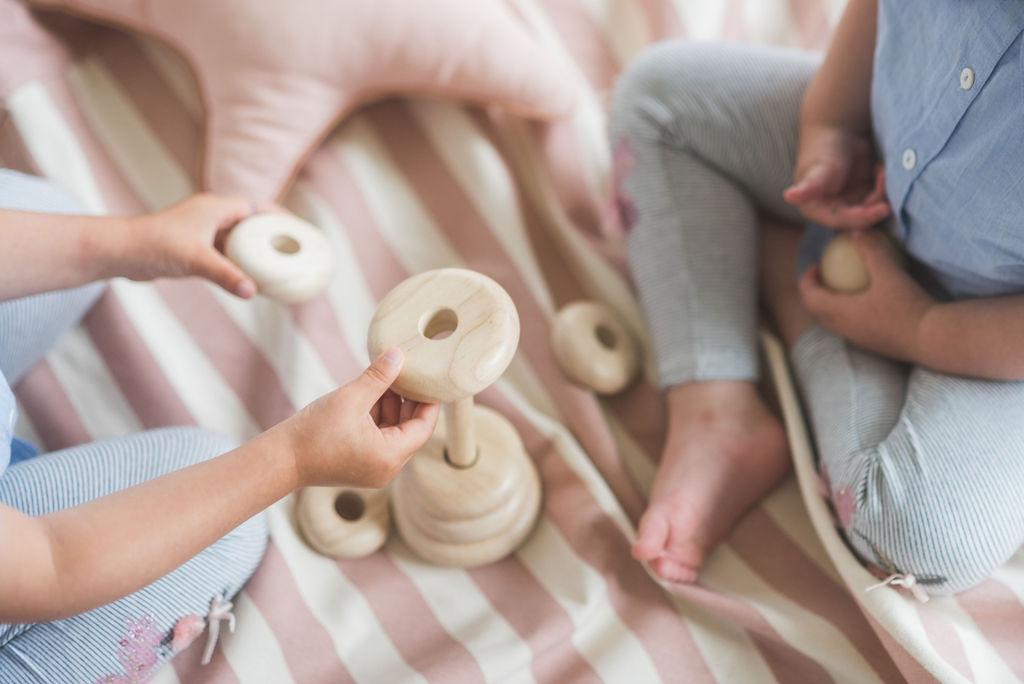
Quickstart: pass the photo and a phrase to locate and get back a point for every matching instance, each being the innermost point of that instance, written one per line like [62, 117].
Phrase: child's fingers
[219, 269]
[821, 180]
[877, 255]
[834, 214]
[411, 434]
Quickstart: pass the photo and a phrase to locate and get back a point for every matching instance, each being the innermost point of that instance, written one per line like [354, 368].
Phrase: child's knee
[659, 73]
[948, 542]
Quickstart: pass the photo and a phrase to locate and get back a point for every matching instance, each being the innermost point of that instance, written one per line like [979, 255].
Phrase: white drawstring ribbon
[220, 610]
[907, 581]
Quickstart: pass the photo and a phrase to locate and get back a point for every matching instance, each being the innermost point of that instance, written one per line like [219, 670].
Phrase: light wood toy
[343, 522]
[593, 348]
[842, 267]
[289, 259]
[471, 495]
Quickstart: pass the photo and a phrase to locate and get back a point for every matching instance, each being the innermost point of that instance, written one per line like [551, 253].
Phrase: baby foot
[726, 450]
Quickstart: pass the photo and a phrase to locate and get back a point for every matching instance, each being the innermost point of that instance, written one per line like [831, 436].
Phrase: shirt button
[909, 158]
[966, 78]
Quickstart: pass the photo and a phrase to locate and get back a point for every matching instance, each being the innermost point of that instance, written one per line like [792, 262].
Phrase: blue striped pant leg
[134, 632]
[925, 469]
[705, 140]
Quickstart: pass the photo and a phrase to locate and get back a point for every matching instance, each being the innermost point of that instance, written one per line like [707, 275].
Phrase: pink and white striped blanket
[415, 184]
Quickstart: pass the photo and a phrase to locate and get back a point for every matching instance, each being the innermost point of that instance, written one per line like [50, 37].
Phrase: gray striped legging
[925, 469]
[130, 637]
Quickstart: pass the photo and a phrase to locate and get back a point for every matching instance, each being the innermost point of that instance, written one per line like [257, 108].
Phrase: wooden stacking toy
[288, 258]
[343, 522]
[471, 495]
[593, 348]
[843, 268]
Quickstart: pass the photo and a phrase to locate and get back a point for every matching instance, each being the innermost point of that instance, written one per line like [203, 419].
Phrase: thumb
[217, 268]
[378, 377]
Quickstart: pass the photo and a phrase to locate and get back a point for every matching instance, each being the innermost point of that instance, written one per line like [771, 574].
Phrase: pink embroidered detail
[623, 162]
[137, 652]
[186, 630]
[845, 506]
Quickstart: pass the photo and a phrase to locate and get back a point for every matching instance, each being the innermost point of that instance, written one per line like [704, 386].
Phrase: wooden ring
[289, 259]
[593, 348]
[459, 331]
[343, 522]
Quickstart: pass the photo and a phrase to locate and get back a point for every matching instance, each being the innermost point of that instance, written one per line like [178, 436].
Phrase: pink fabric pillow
[277, 75]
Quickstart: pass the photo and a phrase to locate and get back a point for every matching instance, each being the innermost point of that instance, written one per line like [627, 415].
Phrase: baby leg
[133, 636]
[925, 469]
[705, 138]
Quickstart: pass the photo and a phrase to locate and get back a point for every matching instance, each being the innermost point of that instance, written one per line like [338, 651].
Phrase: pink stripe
[238, 360]
[189, 668]
[584, 40]
[998, 612]
[537, 618]
[306, 644]
[409, 622]
[663, 20]
[785, 662]
[639, 602]
[320, 325]
[13, 153]
[812, 23]
[48, 407]
[149, 93]
[27, 51]
[769, 551]
[455, 214]
[909, 667]
[140, 378]
[944, 640]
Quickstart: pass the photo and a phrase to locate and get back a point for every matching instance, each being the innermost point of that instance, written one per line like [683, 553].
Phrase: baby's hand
[838, 184]
[884, 318]
[361, 434]
[185, 240]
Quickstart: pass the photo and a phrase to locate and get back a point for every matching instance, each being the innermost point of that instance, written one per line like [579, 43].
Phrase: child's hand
[838, 184]
[361, 434]
[185, 240]
[886, 317]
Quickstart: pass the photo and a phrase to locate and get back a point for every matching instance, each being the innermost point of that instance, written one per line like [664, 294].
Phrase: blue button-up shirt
[948, 110]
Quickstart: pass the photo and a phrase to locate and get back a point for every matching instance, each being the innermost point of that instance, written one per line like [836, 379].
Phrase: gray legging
[132, 636]
[925, 469]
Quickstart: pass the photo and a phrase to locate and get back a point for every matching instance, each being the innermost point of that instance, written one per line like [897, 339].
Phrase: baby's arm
[79, 558]
[895, 317]
[46, 252]
[836, 182]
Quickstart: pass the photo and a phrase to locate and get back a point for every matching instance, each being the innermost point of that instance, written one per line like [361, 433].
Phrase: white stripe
[195, 379]
[90, 387]
[52, 144]
[985, 662]
[253, 651]
[460, 607]
[610, 647]
[482, 174]
[404, 222]
[770, 22]
[703, 20]
[24, 428]
[133, 146]
[818, 639]
[359, 639]
[1012, 575]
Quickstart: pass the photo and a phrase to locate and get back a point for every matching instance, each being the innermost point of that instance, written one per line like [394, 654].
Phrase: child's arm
[982, 338]
[45, 252]
[79, 558]
[836, 181]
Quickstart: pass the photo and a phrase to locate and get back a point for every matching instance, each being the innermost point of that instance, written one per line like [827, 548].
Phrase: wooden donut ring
[843, 268]
[289, 259]
[593, 348]
[343, 522]
[459, 331]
